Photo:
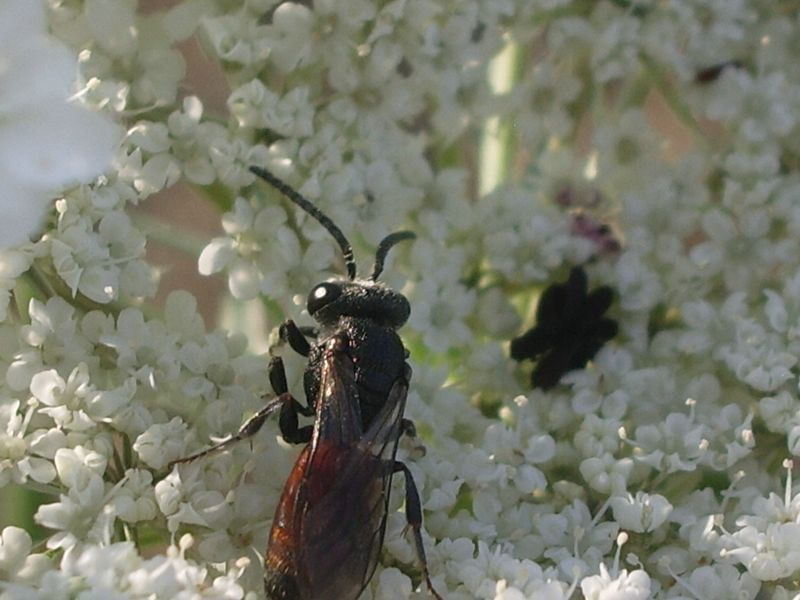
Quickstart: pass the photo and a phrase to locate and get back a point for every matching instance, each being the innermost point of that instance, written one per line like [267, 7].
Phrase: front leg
[284, 402]
[288, 422]
[296, 336]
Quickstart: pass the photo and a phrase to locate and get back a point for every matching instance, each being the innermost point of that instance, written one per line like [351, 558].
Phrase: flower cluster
[650, 148]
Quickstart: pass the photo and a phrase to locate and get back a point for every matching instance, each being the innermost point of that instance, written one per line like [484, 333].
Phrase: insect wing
[338, 420]
[346, 491]
[380, 442]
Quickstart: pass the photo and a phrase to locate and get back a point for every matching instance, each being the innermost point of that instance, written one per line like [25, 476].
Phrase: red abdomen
[280, 563]
[327, 529]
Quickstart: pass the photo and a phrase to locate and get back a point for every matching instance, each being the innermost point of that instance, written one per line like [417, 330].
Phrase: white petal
[35, 72]
[15, 545]
[13, 264]
[23, 212]
[41, 470]
[112, 24]
[44, 386]
[216, 256]
[244, 281]
[20, 19]
[57, 148]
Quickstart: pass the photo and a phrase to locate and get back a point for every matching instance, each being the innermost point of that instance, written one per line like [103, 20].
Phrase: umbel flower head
[516, 139]
[570, 329]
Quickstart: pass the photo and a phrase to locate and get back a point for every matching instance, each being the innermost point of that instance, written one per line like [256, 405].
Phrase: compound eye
[322, 295]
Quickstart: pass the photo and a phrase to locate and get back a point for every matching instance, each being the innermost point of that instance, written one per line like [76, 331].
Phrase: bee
[329, 524]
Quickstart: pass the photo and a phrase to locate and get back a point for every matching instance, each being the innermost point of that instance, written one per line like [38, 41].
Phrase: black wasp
[329, 524]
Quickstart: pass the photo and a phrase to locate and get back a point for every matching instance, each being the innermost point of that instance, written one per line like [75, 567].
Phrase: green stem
[42, 286]
[119, 466]
[495, 151]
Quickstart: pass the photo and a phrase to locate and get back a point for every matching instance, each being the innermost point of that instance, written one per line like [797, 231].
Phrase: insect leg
[408, 428]
[248, 429]
[284, 402]
[309, 331]
[290, 429]
[414, 519]
[296, 336]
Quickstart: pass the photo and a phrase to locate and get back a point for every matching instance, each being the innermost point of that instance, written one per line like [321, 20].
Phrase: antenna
[324, 220]
[384, 247]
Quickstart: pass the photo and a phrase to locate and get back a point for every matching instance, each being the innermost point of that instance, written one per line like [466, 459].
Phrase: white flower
[777, 410]
[77, 466]
[641, 513]
[15, 545]
[144, 349]
[22, 454]
[525, 238]
[17, 565]
[117, 571]
[440, 303]
[376, 112]
[722, 582]
[762, 105]
[106, 405]
[79, 514]
[487, 572]
[47, 141]
[542, 101]
[239, 37]
[596, 435]
[756, 358]
[767, 542]
[254, 105]
[606, 474]
[624, 144]
[624, 586]
[393, 585]
[677, 444]
[161, 443]
[503, 592]
[614, 44]
[183, 499]
[64, 400]
[13, 263]
[637, 286]
[144, 43]
[737, 246]
[771, 554]
[100, 256]
[135, 500]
